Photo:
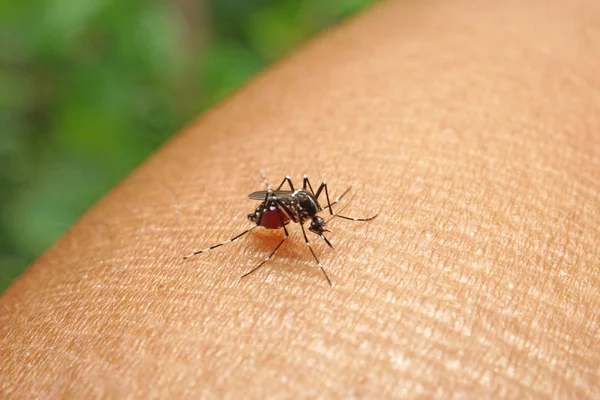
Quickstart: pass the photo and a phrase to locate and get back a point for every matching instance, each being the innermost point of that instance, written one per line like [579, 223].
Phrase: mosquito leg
[324, 186]
[342, 209]
[357, 219]
[333, 203]
[285, 209]
[314, 255]
[220, 244]
[289, 181]
[329, 204]
[287, 235]
[306, 184]
[267, 195]
[281, 219]
[264, 177]
[266, 259]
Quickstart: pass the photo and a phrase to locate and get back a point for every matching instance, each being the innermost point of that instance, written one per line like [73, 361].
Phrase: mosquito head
[317, 225]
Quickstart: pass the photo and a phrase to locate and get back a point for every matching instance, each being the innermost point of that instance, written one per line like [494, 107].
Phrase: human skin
[473, 127]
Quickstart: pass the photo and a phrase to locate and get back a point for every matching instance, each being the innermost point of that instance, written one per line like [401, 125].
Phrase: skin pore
[474, 129]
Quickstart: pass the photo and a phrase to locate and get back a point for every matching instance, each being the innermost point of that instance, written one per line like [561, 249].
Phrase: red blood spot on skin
[271, 220]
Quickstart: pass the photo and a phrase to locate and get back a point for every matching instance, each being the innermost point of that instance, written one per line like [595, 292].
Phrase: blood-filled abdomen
[271, 220]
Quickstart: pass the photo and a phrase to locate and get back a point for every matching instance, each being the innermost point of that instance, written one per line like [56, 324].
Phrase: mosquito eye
[317, 223]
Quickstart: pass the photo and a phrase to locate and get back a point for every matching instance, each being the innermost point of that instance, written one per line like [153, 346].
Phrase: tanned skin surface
[473, 126]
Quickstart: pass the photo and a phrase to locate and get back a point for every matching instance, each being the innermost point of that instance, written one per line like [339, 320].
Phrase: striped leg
[340, 197]
[220, 244]
[289, 181]
[264, 177]
[306, 184]
[266, 259]
[329, 204]
[314, 255]
[287, 235]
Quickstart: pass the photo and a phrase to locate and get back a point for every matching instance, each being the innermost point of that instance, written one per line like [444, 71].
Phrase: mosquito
[280, 207]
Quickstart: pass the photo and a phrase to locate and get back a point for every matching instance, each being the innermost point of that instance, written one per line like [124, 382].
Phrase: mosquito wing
[262, 194]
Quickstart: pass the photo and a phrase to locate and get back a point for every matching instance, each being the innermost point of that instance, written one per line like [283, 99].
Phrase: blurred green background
[89, 88]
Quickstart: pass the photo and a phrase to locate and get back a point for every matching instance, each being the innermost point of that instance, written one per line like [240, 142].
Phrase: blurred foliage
[89, 88]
